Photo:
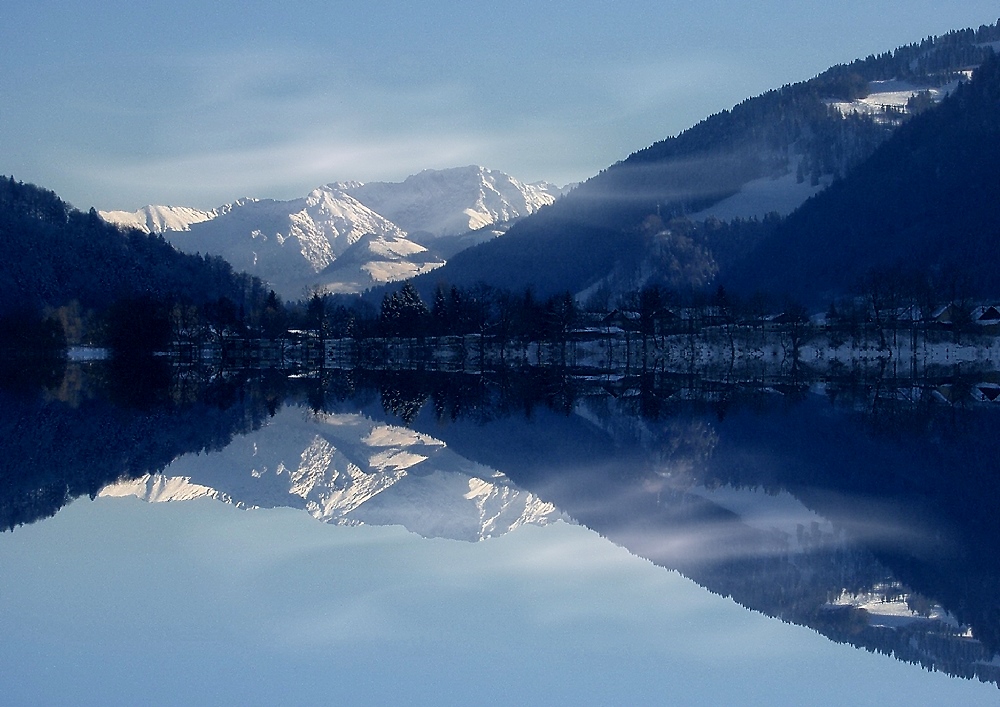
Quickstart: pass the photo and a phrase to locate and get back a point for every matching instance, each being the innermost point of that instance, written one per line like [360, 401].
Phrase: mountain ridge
[319, 228]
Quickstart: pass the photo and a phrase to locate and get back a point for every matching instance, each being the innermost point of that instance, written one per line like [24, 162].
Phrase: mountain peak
[290, 243]
[448, 202]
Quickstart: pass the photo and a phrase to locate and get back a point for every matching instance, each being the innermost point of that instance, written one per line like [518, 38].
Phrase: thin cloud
[282, 170]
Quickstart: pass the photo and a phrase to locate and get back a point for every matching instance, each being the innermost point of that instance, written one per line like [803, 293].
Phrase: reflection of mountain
[792, 510]
[345, 468]
[870, 520]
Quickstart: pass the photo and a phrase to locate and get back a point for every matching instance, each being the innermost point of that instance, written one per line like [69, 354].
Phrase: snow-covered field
[894, 95]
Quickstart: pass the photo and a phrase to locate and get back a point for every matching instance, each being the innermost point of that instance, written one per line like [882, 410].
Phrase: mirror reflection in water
[858, 506]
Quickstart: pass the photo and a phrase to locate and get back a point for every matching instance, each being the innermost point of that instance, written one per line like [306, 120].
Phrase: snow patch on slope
[892, 94]
[780, 513]
[890, 607]
[760, 197]
[159, 219]
[376, 260]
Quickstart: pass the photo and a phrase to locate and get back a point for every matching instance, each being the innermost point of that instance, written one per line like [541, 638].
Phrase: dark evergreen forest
[606, 223]
[923, 205]
[122, 285]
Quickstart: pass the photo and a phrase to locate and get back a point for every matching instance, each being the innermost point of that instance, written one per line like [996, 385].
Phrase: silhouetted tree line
[934, 59]
[509, 318]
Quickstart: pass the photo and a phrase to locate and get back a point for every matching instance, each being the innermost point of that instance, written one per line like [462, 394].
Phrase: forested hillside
[923, 208]
[601, 231]
[51, 254]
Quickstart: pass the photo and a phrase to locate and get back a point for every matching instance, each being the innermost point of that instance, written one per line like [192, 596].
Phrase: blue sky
[120, 104]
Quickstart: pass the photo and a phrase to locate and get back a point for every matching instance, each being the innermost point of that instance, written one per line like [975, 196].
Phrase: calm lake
[373, 538]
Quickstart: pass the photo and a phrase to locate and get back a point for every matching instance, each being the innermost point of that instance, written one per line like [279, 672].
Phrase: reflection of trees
[32, 349]
[121, 424]
[454, 396]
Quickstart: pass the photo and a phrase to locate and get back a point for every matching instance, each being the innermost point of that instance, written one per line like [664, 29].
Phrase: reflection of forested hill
[933, 473]
[53, 451]
[678, 490]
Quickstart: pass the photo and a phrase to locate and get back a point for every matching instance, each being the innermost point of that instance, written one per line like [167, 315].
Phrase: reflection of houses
[953, 394]
[986, 392]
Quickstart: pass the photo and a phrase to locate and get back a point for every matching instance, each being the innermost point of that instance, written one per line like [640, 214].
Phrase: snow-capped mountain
[297, 245]
[287, 243]
[449, 202]
[348, 469]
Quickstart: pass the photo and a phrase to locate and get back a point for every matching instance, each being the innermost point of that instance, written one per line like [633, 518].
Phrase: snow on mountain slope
[892, 94]
[891, 607]
[159, 219]
[452, 201]
[375, 260]
[759, 197]
[289, 243]
[348, 469]
[286, 242]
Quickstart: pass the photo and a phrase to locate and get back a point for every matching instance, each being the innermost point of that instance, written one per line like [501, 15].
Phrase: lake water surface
[532, 539]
